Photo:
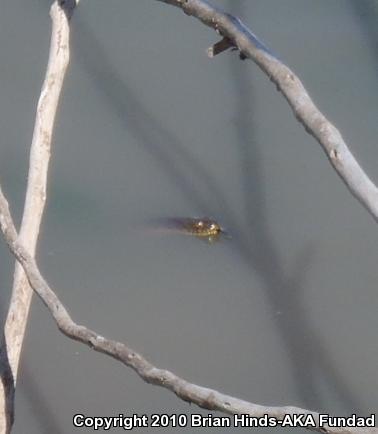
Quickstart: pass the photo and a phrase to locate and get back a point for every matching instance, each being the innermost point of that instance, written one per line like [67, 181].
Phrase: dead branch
[315, 123]
[204, 397]
[235, 34]
[14, 329]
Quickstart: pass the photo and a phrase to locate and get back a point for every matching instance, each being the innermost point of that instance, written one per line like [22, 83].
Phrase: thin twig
[204, 397]
[14, 329]
[315, 123]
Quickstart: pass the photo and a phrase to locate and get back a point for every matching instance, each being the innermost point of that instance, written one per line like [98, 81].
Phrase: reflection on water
[204, 228]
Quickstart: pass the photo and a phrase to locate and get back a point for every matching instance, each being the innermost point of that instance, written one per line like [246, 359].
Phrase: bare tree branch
[293, 90]
[202, 396]
[235, 34]
[17, 317]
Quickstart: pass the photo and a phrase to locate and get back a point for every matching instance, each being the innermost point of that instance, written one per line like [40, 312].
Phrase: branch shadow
[309, 358]
[366, 12]
[7, 380]
[175, 160]
[39, 405]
